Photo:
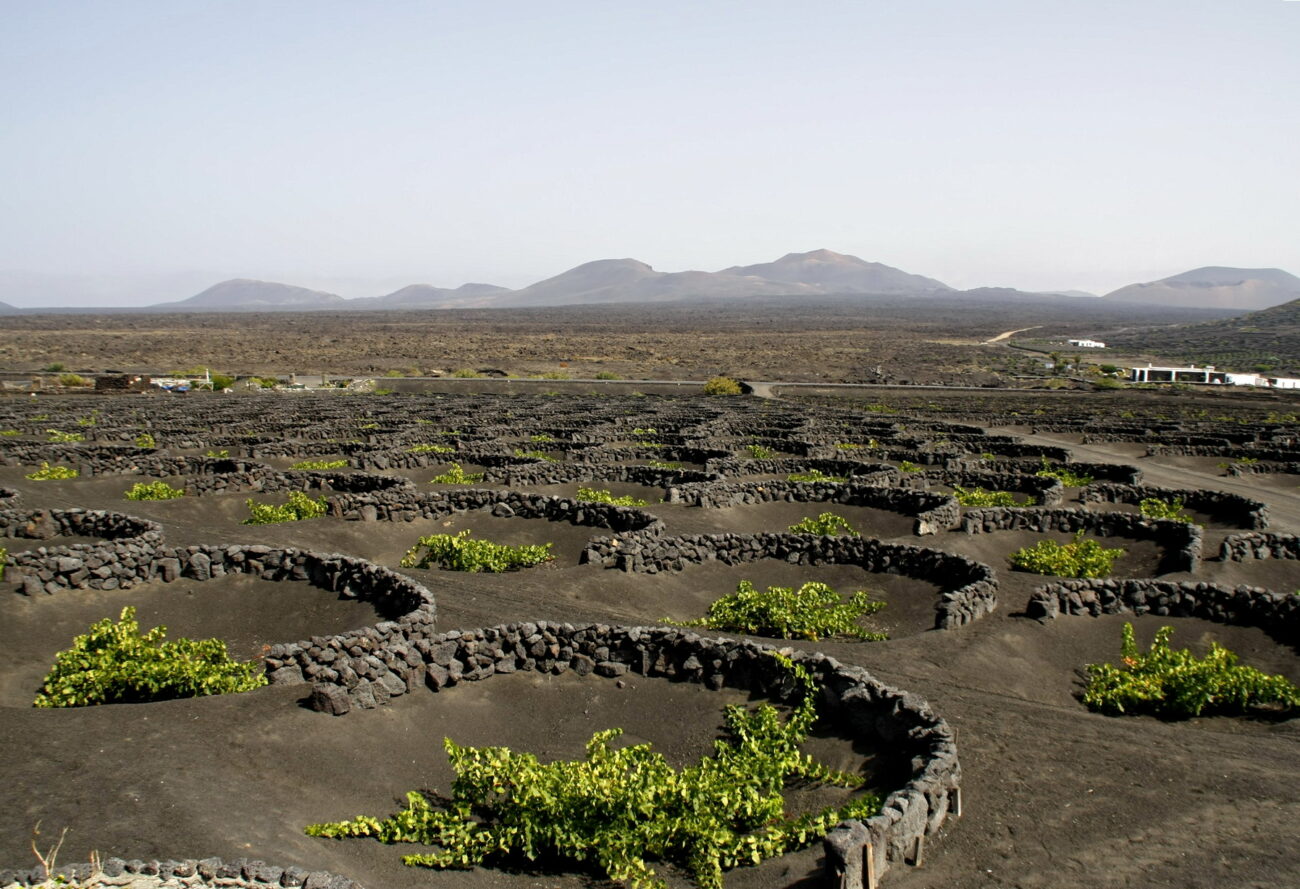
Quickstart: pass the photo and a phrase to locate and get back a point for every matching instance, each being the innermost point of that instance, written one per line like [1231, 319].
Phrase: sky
[150, 149]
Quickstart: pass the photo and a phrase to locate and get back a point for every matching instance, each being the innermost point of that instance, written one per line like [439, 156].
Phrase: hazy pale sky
[1038, 144]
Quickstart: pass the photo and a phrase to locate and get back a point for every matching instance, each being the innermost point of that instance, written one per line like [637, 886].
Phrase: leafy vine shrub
[1174, 683]
[593, 495]
[57, 437]
[758, 452]
[664, 464]
[981, 497]
[320, 464]
[115, 663]
[71, 380]
[607, 375]
[159, 490]
[456, 476]
[221, 454]
[460, 552]
[299, 507]
[813, 611]
[534, 455]
[47, 473]
[146, 440]
[909, 466]
[541, 438]
[10, 433]
[431, 449]
[1157, 508]
[1079, 558]
[722, 386]
[848, 445]
[622, 808]
[815, 475]
[648, 430]
[827, 524]
[4, 561]
[1063, 475]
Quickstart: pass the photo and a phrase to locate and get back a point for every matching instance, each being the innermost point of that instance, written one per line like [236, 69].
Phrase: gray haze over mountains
[813, 274]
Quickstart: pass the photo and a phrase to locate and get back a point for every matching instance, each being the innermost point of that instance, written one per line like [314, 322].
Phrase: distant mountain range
[1216, 287]
[819, 273]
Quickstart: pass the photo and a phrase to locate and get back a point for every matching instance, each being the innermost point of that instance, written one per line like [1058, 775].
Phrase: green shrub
[981, 497]
[827, 524]
[159, 490]
[722, 386]
[466, 373]
[10, 433]
[54, 367]
[848, 445]
[600, 496]
[114, 663]
[607, 375]
[758, 452]
[223, 453]
[534, 454]
[649, 430]
[1156, 508]
[146, 440]
[456, 476]
[221, 381]
[1080, 558]
[815, 475]
[1063, 475]
[1174, 683]
[811, 612]
[73, 380]
[909, 466]
[299, 507]
[4, 561]
[89, 421]
[460, 552]
[664, 464]
[52, 473]
[622, 808]
[57, 437]
[320, 464]
[431, 449]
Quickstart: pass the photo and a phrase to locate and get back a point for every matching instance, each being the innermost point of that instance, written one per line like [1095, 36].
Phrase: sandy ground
[1054, 795]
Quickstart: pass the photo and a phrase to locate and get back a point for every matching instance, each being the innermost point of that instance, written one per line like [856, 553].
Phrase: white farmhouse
[1087, 344]
[1284, 382]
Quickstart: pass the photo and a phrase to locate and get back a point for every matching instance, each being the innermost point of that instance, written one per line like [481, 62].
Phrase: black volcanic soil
[1054, 796]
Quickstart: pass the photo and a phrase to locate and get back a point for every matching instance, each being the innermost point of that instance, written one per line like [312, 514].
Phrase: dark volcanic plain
[1054, 795]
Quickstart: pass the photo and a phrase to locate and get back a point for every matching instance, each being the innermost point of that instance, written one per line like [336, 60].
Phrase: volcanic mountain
[1216, 287]
[248, 295]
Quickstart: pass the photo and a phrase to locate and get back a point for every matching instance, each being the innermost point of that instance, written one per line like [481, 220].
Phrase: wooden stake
[957, 801]
[918, 856]
[870, 865]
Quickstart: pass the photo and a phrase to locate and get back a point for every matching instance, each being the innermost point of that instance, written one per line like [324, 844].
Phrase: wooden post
[918, 855]
[869, 850]
[957, 801]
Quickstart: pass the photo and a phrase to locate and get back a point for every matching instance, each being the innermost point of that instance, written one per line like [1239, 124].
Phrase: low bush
[431, 449]
[1156, 508]
[47, 473]
[664, 464]
[159, 490]
[320, 464]
[1079, 558]
[74, 380]
[10, 433]
[456, 476]
[909, 466]
[541, 438]
[848, 445]
[221, 454]
[758, 452]
[607, 375]
[465, 373]
[593, 495]
[722, 386]
[1063, 475]
[461, 552]
[57, 437]
[812, 612]
[621, 808]
[815, 475]
[534, 454]
[827, 524]
[981, 497]
[298, 508]
[1174, 683]
[146, 440]
[114, 663]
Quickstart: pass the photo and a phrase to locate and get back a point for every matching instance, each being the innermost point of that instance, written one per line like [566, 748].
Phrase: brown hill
[1216, 287]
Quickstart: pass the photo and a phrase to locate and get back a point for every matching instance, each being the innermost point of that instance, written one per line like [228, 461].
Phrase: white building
[1088, 344]
[1283, 382]
[1193, 374]
[1246, 380]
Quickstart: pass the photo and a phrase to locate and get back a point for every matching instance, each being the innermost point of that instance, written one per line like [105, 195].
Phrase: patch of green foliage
[4, 561]
[73, 380]
[461, 552]
[320, 464]
[90, 420]
[607, 375]
[981, 497]
[57, 437]
[115, 663]
[909, 466]
[431, 449]
[812, 612]
[146, 440]
[848, 445]
[541, 438]
[623, 808]
[456, 476]
[649, 430]
[534, 454]
[1157, 508]
[722, 386]
[465, 373]
[664, 464]
[827, 524]
[10, 433]
[1174, 683]
[1063, 475]
[47, 473]
[593, 495]
[221, 454]
[1079, 558]
[158, 490]
[298, 508]
[815, 475]
[758, 452]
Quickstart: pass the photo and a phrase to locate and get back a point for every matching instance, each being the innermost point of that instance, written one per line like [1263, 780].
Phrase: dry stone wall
[1229, 508]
